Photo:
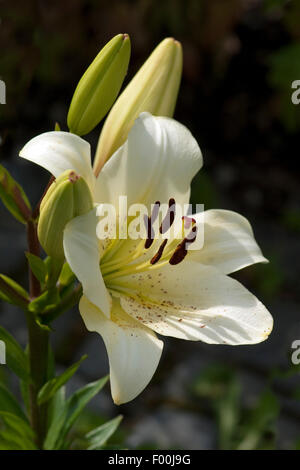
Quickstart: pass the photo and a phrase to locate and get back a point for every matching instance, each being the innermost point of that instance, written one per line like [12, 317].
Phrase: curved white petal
[196, 302]
[133, 350]
[229, 242]
[59, 151]
[157, 162]
[83, 255]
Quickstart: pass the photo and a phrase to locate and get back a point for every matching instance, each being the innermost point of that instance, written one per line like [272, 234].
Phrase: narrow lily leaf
[7, 444]
[51, 387]
[99, 436]
[57, 416]
[17, 424]
[73, 407]
[12, 292]
[37, 266]
[57, 404]
[66, 275]
[9, 403]
[69, 298]
[16, 358]
[9, 440]
[14, 197]
[78, 401]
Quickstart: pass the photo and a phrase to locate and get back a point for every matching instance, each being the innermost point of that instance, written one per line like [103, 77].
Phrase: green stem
[38, 348]
[38, 360]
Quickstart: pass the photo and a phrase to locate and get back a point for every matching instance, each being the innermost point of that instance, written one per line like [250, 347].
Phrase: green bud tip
[99, 86]
[68, 196]
[154, 89]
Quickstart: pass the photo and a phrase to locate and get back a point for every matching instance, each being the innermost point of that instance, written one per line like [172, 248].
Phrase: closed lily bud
[99, 86]
[68, 197]
[154, 89]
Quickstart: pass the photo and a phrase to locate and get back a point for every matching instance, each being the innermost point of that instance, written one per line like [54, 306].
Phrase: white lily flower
[132, 292]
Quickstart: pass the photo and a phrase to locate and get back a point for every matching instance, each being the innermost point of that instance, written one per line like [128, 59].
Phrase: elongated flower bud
[99, 86]
[154, 89]
[68, 197]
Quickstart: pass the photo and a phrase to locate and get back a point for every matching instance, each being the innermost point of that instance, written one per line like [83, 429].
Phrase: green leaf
[66, 275]
[8, 444]
[57, 404]
[10, 440]
[69, 298]
[12, 292]
[19, 427]
[14, 197]
[78, 401]
[57, 416]
[16, 358]
[51, 387]
[45, 302]
[63, 422]
[9, 403]
[99, 436]
[37, 266]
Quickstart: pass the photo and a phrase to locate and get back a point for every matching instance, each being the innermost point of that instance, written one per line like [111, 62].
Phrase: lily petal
[133, 350]
[83, 255]
[157, 162]
[229, 242]
[196, 302]
[60, 151]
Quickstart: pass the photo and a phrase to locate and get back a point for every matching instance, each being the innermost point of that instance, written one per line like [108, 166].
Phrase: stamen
[191, 236]
[179, 254]
[150, 232]
[155, 211]
[181, 249]
[188, 221]
[148, 224]
[159, 253]
[169, 218]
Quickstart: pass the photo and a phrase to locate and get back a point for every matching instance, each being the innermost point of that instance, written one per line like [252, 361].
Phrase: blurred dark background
[240, 59]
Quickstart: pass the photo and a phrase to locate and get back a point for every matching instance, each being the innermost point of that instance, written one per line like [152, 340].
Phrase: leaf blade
[53, 385]
[99, 436]
[14, 197]
[16, 358]
[9, 403]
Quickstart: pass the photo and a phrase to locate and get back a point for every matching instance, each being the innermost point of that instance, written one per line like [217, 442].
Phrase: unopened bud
[99, 86]
[154, 89]
[68, 197]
